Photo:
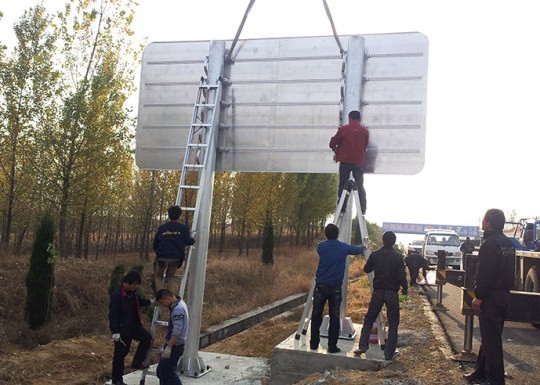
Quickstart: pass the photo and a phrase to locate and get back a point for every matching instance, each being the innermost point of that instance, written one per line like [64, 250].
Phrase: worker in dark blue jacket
[328, 280]
[169, 245]
[494, 280]
[388, 276]
[125, 324]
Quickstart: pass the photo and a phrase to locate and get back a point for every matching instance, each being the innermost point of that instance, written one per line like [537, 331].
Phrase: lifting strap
[250, 5]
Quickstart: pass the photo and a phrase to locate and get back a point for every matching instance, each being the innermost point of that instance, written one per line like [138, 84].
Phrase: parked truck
[525, 233]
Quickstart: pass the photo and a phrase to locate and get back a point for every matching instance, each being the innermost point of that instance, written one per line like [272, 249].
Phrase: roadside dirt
[83, 356]
[424, 358]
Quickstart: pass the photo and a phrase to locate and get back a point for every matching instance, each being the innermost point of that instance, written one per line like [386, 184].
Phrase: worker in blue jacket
[328, 280]
[169, 245]
[125, 324]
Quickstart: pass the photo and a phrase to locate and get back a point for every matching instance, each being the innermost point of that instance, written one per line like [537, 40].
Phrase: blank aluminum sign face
[284, 103]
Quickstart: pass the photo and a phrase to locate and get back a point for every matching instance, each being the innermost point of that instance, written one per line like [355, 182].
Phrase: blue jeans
[324, 293]
[379, 298]
[166, 369]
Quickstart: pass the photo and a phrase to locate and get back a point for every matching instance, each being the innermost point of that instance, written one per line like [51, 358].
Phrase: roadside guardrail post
[440, 279]
[470, 264]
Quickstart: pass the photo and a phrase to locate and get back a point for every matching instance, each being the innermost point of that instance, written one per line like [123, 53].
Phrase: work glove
[116, 337]
[166, 353]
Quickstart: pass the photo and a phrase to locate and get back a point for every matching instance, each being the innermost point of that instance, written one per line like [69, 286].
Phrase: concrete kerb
[438, 331]
[245, 321]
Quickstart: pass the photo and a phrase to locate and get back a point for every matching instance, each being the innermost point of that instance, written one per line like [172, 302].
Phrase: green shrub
[40, 277]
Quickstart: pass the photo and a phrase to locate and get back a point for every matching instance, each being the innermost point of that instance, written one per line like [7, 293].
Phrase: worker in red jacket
[349, 145]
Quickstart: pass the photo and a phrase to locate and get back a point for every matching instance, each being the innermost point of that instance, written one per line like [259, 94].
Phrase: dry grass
[234, 285]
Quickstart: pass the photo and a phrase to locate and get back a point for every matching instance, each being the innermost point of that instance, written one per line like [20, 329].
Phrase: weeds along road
[521, 341]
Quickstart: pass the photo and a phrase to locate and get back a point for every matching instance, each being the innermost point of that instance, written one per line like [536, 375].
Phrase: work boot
[359, 351]
[474, 378]
[334, 350]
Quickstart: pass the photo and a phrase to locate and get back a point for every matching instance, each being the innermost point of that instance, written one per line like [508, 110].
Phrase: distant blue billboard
[420, 228]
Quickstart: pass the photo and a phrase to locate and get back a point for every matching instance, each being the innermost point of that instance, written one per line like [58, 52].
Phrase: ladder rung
[194, 165]
[201, 125]
[190, 187]
[188, 208]
[162, 323]
[208, 86]
[205, 104]
[197, 145]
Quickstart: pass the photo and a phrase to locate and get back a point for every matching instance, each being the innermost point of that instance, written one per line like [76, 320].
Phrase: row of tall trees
[66, 139]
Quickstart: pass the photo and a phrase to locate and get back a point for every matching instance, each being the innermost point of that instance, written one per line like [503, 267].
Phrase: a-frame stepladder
[200, 138]
[347, 330]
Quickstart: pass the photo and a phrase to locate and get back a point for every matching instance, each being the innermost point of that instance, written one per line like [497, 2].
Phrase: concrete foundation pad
[225, 370]
[293, 360]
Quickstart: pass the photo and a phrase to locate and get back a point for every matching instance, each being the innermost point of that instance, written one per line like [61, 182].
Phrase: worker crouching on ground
[328, 280]
[389, 274]
[175, 339]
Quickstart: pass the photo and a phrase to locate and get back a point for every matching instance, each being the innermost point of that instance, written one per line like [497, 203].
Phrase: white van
[447, 240]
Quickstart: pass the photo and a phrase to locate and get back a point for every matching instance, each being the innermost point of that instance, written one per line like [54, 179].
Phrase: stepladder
[188, 198]
[347, 330]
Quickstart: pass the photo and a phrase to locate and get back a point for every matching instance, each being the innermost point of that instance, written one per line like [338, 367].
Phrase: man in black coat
[494, 280]
[389, 275]
[126, 325]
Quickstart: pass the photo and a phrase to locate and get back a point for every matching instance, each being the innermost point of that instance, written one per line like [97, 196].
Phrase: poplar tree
[27, 102]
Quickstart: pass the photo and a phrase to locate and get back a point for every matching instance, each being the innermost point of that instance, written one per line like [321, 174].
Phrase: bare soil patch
[76, 347]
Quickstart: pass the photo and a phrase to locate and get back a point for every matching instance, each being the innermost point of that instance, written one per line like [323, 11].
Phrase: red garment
[350, 143]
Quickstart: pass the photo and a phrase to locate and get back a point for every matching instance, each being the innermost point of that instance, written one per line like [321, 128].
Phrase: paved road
[521, 341]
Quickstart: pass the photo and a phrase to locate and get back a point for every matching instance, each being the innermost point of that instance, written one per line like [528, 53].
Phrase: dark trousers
[490, 361]
[166, 369]
[358, 174]
[324, 293]
[413, 272]
[379, 298]
[138, 333]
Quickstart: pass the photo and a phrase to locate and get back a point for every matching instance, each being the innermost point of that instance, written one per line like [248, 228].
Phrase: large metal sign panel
[284, 103]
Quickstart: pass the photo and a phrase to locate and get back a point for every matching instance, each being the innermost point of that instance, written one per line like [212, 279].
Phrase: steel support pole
[354, 75]
[191, 364]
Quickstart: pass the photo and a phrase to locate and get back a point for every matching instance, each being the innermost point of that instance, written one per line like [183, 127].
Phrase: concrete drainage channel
[245, 321]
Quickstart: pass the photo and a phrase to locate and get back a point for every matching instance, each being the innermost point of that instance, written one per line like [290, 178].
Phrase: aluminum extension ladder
[349, 190]
[195, 160]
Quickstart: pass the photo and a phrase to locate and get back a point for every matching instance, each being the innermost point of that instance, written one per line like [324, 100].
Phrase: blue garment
[166, 369]
[178, 323]
[171, 240]
[332, 258]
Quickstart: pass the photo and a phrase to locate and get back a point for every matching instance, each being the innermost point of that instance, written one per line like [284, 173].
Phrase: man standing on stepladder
[328, 280]
[349, 145]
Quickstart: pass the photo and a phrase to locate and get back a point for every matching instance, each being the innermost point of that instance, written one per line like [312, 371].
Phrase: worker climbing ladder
[346, 330]
[195, 161]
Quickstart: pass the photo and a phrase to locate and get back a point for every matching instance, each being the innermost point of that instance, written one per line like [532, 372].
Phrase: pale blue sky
[482, 131]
